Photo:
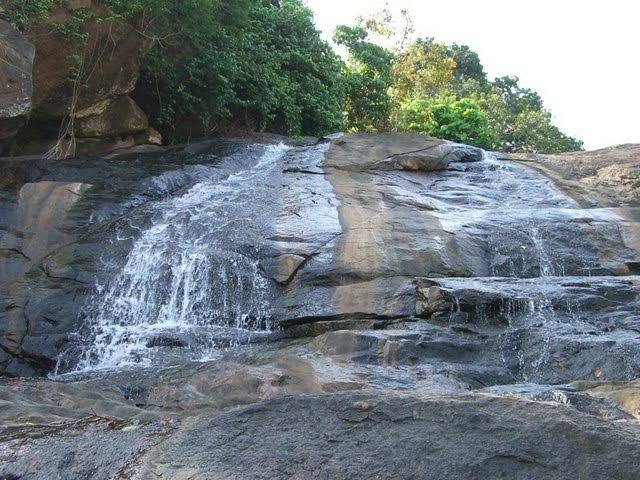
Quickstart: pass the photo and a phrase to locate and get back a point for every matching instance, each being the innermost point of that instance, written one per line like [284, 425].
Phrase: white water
[191, 283]
[185, 275]
[533, 232]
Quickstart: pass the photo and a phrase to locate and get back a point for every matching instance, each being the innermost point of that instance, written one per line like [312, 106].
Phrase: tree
[519, 118]
[468, 65]
[242, 64]
[367, 79]
[441, 90]
[534, 132]
[424, 70]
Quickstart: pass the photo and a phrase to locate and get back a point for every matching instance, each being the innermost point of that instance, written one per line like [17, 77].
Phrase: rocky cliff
[75, 95]
[16, 55]
[392, 306]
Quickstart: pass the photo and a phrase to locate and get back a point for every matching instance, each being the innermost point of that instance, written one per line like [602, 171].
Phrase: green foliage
[441, 90]
[258, 64]
[23, 12]
[365, 57]
[522, 123]
[534, 132]
[468, 66]
[368, 104]
[261, 64]
[368, 79]
[458, 120]
[424, 70]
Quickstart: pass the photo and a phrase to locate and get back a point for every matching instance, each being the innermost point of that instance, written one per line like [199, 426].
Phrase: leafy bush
[458, 120]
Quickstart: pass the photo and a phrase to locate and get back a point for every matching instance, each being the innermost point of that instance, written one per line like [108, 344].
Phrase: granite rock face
[56, 219]
[606, 178]
[336, 436]
[388, 306]
[114, 51]
[16, 65]
[101, 116]
[317, 237]
[377, 436]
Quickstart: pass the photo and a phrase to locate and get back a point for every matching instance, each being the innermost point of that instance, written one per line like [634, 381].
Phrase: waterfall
[203, 263]
[538, 241]
[189, 277]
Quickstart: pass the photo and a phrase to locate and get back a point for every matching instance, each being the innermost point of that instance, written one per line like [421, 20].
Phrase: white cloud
[581, 56]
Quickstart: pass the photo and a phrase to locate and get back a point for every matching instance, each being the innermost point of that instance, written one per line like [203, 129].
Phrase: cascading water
[192, 281]
[189, 279]
[523, 200]
[537, 238]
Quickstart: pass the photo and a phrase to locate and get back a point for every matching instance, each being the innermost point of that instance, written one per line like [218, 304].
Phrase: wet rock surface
[56, 218]
[607, 177]
[390, 306]
[351, 436]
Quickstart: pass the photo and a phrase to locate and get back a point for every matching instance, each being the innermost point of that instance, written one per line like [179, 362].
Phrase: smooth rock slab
[95, 448]
[607, 177]
[349, 436]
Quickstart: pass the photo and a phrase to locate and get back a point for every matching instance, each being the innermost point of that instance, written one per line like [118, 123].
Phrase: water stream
[553, 268]
[188, 280]
[191, 283]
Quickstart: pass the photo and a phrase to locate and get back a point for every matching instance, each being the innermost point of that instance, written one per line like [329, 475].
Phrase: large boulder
[111, 61]
[110, 118]
[393, 151]
[16, 64]
[90, 96]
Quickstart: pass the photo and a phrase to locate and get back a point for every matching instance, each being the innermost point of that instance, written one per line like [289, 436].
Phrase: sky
[583, 57]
